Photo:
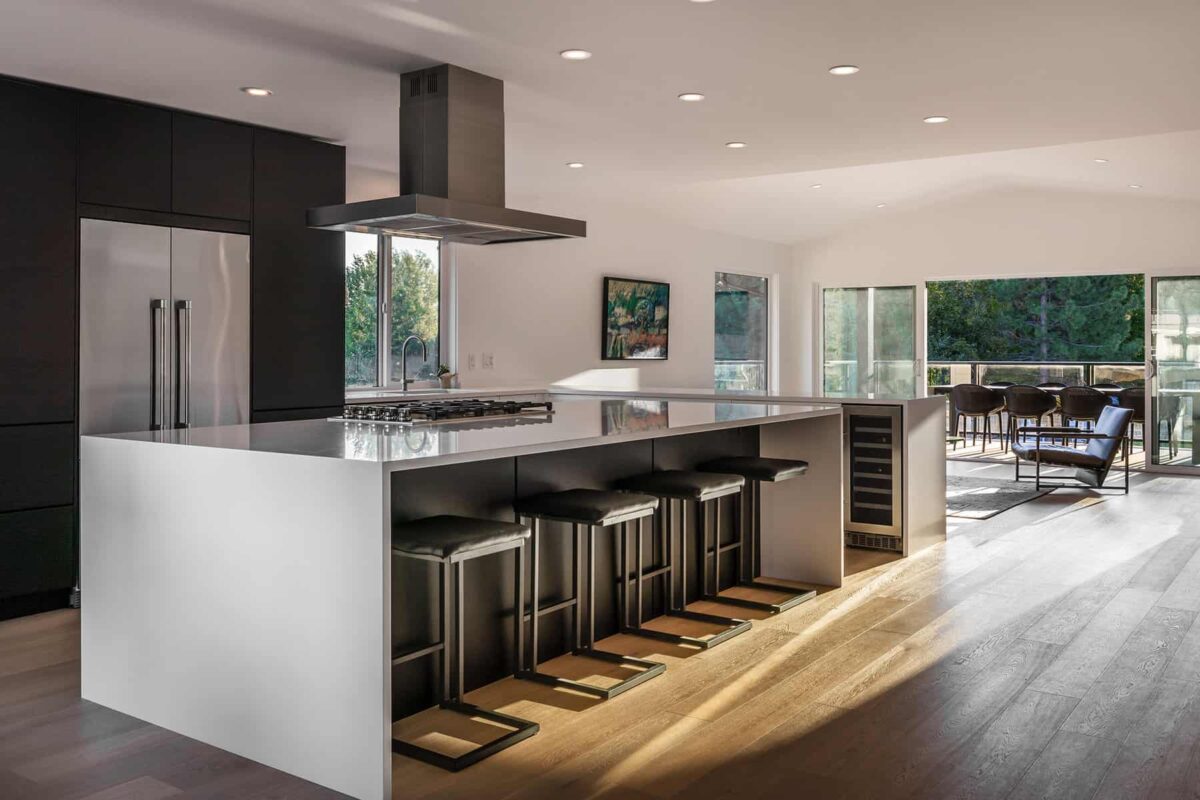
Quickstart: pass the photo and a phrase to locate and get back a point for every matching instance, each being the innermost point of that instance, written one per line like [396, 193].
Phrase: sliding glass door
[1173, 364]
[870, 341]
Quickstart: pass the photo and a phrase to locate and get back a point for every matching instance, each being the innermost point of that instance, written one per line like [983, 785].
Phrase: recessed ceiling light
[816, 186]
[256, 91]
[1100, 160]
[702, 1]
[691, 97]
[936, 120]
[843, 69]
[730, 145]
[575, 164]
[881, 205]
[576, 55]
[1135, 186]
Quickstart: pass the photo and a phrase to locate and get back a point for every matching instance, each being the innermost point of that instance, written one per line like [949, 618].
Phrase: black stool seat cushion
[587, 506]
[684, 485]
[447, 536]
[753, 468]
[1057, 455]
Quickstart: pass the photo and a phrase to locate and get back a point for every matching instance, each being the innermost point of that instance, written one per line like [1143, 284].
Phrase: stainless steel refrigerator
[164, 327]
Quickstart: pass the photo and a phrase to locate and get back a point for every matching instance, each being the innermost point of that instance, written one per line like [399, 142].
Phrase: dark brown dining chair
[1054, 387]
[1134, 399]
[975, 402]
[1026, 403]
[1082, 404]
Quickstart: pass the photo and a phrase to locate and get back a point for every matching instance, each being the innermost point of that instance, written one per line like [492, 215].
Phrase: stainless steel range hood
[451, 169]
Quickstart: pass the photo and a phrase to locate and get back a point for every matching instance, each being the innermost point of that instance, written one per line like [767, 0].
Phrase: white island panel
[238, 597]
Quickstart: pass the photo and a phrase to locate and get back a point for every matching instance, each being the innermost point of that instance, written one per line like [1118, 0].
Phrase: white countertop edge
[742, 397]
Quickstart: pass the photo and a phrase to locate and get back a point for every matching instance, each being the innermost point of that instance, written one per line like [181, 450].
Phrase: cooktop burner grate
[425, 412]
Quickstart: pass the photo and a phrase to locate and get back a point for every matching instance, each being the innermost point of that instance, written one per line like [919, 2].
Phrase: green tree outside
[414, 307]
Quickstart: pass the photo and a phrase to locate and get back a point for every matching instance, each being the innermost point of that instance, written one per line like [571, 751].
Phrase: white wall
[1005, 233]
[536, 307]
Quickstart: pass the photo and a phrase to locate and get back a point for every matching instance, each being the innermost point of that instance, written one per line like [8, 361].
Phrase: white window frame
[772, 338]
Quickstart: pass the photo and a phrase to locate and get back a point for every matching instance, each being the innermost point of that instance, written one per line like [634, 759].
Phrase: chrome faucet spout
[404, 381]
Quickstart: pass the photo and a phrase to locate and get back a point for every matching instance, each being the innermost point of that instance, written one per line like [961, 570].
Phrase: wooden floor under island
[1051, 651]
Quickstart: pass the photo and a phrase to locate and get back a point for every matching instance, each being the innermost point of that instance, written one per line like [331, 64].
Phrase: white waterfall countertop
[576, 422]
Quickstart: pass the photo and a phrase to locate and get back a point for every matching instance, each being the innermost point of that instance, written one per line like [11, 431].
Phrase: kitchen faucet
[404, 381]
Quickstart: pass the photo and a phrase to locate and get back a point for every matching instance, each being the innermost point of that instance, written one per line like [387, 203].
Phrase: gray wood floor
[1050, 652]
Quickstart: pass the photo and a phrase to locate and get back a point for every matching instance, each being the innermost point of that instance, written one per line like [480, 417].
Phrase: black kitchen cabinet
[297, 285]
[38, 551]
[38, 466]
[124, 154]
[37, 257]
[212, 167]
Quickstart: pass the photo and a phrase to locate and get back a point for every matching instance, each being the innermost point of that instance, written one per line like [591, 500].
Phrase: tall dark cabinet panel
[297, 287]
[37, 257]
[212, 167]
[37, 347]
[124, 154]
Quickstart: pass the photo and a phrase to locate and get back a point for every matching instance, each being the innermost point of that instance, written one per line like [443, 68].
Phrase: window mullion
[383, 258]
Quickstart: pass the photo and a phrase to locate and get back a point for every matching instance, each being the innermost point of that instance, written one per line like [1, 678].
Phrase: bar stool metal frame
[646, 669]
[677, 604]
[451, 574]
[748, 557]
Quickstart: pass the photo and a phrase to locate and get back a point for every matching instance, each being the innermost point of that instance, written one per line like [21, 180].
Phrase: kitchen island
[238, 581]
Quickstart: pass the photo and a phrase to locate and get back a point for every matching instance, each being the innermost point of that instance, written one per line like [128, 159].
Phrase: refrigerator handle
[184, 396]
[158, 380]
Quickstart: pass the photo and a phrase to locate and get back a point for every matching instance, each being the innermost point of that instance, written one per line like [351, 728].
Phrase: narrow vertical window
[742, 333]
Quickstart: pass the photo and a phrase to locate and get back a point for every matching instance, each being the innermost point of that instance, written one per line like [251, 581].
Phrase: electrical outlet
[470, 361]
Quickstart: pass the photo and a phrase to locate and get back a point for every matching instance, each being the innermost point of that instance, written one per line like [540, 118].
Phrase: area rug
[983, 498]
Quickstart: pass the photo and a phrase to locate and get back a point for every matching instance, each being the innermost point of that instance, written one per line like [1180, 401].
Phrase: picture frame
[635, 320]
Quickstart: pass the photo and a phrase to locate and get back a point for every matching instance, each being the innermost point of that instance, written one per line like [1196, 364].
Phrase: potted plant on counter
[445, 376]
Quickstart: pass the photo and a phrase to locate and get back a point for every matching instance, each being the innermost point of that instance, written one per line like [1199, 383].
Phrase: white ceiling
[1011, 75]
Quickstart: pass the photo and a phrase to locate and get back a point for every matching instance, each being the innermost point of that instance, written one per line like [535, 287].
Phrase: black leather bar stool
[451, 541]
[590, 509]
[755, 470]
[685, 487]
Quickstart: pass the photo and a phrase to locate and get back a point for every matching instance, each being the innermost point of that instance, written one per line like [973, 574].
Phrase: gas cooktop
[430, 412]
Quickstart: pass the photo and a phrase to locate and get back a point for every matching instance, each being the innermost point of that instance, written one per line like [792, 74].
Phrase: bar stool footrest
[522, 729]
[733, 627]
[648, 670]
[797, 597]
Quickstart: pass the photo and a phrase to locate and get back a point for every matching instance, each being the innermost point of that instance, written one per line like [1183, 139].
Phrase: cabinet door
[297, 284]
[37, 466]
[37, 260]
[211, 167]
[39, 551]
[124, 154]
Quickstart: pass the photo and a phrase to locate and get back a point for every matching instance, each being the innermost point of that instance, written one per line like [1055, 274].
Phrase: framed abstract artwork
[635, 319]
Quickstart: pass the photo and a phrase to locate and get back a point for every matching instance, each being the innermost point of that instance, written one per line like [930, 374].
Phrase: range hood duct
[451, 169]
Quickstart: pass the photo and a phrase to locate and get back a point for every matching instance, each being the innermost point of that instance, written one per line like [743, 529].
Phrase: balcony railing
[740, 376]
[1071, 373]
